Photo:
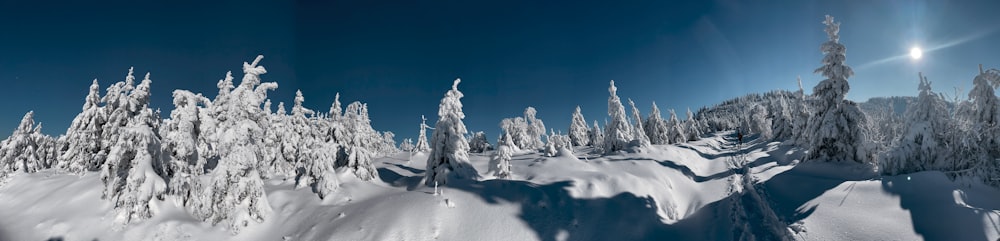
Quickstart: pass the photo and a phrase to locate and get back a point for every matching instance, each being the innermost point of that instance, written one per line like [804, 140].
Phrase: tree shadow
[395, 179]
[945, 212]
[555, 215]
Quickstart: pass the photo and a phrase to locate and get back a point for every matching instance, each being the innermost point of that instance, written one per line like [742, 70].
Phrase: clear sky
[400, 57]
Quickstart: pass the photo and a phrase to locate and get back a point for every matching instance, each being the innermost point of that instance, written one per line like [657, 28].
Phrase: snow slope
[709, 189]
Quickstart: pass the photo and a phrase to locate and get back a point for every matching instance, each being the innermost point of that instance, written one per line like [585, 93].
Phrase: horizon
[401, 58]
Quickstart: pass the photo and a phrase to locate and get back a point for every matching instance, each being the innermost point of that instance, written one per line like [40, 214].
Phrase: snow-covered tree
[656, 127]
[536, 128]
[578, 130]
[449, 150]
[235, 193]
[597, 137]
[500, 161]
[407, 145]
[675, 129]
[18, 153]
[617, 133]
[422, 145]
[639, 137]
[692, 127]
[979, 118]
[361, 143]
[922, 146]
[133, 172]
[556, 142]
[835, 130]
[180, 144]
[478, 143]
[81, 149]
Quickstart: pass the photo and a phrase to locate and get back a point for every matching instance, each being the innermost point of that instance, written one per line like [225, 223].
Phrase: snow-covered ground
[709, 189]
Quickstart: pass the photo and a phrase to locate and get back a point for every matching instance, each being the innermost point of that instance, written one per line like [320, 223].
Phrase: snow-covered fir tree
[407, 145]
[617, 133]
[180, 144]
[675, 129]
[449, 154]
[556, 142]
[535, 128]
[923, 145]
[656, 127]
[19, 152]
[597, 137]
[361, 144]
[235, 194]
[578, 130]
[692, 127]
[500, 161]
[81, 149]
[639, 137]
[979, 119]
[422, 145]
[133, 172]
[835, 130]
[478, 143]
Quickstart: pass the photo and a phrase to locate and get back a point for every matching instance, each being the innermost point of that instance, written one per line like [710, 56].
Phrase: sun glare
[916, 53]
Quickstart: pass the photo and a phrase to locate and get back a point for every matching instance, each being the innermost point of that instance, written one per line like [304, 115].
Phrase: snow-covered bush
[835, 130]
[617, 133]
[526, 131]
[478, 143]
[449, 149]
[555, 142]
[578, 130]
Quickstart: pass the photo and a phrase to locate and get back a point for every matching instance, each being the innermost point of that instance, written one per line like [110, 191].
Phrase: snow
[710, 189]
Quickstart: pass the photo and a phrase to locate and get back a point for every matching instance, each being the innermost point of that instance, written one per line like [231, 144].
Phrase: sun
[916, 53]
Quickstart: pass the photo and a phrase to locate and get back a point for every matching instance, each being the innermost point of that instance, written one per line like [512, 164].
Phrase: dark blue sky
[401, 56]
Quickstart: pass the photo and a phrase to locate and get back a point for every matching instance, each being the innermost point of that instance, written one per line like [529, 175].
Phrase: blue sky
[400, 57]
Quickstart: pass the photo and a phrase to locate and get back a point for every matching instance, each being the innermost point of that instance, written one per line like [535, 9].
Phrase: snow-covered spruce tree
[980, 118]
[639, 137]
[597, 137]
[235, 195]
[761, 122]
[18, 153]
[835, 130]
[518, 130]
[180, 144]
[132, 174]
[556, 142]
[656, 127]
[692, 127]
[782, 122]
[500, 161]
[407, 145]
[675, 129]
[578, 130]
[535, 128]
[449, 150]
[360, 144]
[478, 143]
[923, 145]
[422, 145]
[618, 132]
[82, 145]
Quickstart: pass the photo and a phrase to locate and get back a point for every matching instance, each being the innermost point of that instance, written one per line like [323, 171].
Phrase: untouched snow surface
[704, 190]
